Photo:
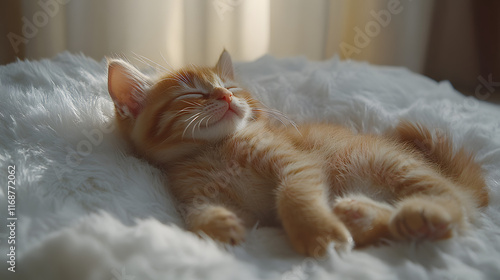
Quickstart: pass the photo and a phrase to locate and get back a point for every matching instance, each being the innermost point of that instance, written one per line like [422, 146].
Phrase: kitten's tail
[458, 166]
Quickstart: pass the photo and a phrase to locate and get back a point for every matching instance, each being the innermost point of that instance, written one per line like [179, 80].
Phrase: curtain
[390, 32]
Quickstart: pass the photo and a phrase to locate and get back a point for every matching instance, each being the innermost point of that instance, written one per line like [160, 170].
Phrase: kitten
[230, 166]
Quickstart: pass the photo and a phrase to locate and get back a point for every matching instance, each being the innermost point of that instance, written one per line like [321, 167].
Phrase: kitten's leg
[305, 213]
[366, 219]
[310, 224]
[217, 222]
[430, 206]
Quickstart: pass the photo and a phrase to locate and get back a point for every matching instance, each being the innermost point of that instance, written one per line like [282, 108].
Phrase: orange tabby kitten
[229, 166]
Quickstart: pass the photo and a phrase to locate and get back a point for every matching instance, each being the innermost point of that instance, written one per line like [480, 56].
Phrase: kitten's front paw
[222, 225]
[312, 239]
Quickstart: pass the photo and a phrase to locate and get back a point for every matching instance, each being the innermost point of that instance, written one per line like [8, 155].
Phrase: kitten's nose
[222, 94]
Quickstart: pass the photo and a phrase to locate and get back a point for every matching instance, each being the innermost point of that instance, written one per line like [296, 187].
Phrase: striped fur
[230, 166]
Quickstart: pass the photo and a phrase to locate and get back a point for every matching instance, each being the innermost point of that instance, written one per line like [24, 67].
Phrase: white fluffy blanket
[87, 209]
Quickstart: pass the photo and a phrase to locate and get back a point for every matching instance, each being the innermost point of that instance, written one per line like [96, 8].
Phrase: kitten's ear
[225, 65]
[127, 87]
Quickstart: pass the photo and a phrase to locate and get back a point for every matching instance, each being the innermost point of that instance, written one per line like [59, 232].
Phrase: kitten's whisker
[194, 119]
[206, 124]
[274, 116]
[193, 116]
[143, 61]
[199, 123]
[167, 78]
[179, 77]
[158, 65]
[278, 115]
[169, 65]
[174, 77]
[191, 103]
[185, 110]
[187, 77]
[196, 125]
[188, 108]
[286, 118]
[183, 77]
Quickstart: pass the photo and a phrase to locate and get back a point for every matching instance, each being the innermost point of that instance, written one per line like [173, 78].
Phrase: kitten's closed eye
[234, 89]
[195, 95]
[191, 95]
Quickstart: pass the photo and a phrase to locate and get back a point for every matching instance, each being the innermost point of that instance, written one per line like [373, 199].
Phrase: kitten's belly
[257, 197]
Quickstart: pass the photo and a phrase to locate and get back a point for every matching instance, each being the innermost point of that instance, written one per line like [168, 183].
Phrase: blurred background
[455, 40]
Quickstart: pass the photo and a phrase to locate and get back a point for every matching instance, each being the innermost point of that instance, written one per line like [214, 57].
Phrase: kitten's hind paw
[420, 219]
[366, 219]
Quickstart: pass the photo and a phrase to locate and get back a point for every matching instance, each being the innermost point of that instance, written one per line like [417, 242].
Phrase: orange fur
[229, 166]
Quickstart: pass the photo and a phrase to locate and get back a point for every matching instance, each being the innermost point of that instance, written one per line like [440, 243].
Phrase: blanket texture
[87, 209]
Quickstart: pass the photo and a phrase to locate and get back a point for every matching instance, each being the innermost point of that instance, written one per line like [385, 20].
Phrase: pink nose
[222, 94]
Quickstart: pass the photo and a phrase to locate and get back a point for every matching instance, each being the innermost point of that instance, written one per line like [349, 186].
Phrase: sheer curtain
[195, 31]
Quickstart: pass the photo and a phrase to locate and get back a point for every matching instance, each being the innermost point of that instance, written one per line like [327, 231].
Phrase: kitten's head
[166, 117]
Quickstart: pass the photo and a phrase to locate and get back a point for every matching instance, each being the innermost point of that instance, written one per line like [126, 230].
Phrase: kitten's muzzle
[220, 93]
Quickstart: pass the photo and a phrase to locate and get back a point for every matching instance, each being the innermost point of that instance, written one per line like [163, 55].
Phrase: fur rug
[87, 209]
